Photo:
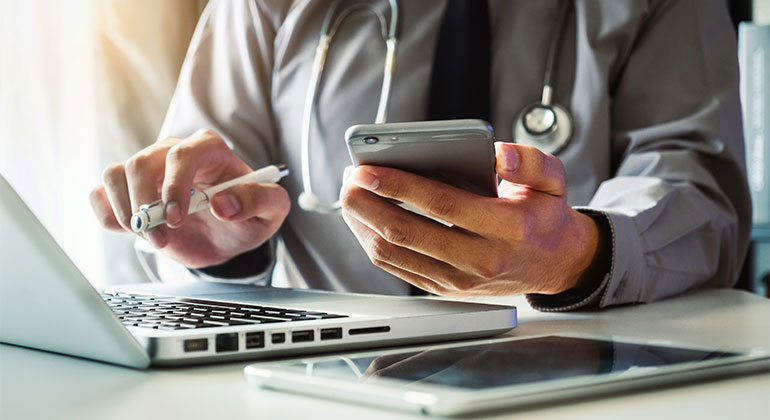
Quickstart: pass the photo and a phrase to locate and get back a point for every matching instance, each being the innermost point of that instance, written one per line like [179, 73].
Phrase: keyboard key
[215, 322]
[233, 322]
[266, 320]
[241, 321]
[169, 328]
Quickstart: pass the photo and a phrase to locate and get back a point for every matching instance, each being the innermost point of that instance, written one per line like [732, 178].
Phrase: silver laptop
[47, 304]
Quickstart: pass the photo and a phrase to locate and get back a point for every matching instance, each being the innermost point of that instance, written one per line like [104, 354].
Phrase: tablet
[485, 375]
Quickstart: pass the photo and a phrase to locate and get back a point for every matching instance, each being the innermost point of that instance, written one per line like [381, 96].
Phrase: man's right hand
[241, 218]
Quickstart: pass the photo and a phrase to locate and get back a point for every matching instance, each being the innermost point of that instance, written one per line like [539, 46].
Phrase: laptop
[46, 303]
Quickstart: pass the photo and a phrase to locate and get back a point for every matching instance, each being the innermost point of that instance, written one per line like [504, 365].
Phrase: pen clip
[145, 207]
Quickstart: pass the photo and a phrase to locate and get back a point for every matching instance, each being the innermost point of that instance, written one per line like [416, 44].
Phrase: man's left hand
[527, 240]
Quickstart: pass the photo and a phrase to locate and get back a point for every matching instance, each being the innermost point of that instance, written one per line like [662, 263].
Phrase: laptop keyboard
[171, 313]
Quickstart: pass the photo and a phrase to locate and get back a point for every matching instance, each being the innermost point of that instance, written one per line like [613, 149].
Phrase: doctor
[645, 199]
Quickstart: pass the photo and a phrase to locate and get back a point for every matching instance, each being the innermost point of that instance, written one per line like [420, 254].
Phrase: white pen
[153, 214]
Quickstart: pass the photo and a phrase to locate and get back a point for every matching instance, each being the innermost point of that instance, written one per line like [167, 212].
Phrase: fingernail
[173, 214]
[156, 238]
[226, 205]
[511, 159]
[365, 179]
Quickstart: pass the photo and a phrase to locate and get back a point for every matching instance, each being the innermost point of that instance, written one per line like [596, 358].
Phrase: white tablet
[459, 378]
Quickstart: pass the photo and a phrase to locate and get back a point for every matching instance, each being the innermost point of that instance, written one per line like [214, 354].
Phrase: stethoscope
[307, 199]
[545, 125]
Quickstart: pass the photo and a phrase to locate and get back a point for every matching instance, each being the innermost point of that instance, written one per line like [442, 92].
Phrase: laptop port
[301, 336]
[278, 338]
[255, 340]
[370, 330]
[227, 342]
[196, 344]
[331, 333]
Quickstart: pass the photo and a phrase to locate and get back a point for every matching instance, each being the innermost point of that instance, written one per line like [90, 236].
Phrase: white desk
[39, 385]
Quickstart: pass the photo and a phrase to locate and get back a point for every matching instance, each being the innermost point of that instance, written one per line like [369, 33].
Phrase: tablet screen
[507, 363]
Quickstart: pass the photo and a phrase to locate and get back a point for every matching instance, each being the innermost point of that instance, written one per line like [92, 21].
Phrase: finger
[526, 165]
[345, 181]
[456, 206]
[144, 176]
[423, 271]
[103, 210]
[157, 236]
[204, 152]
[266, 201]
[116, 191]
[408, 230]
[415, 280]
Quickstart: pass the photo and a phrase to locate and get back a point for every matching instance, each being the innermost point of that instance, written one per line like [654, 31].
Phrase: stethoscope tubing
[308, 200]
[552, 142]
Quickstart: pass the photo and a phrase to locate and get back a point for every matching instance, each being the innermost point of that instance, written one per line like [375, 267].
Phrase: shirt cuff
[252, 267]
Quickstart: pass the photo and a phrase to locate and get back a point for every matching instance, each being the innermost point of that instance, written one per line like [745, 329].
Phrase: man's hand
[526, 241]
[241, 218]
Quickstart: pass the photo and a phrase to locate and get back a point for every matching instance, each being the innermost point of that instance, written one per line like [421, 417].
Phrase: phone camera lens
[371, 140]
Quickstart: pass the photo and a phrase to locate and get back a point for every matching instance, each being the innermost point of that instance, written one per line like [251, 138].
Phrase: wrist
[585, 280]
[586, 251]
[586, 290]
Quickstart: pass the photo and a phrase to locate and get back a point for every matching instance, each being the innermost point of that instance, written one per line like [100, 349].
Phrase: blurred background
[86, 83]
[83, 84]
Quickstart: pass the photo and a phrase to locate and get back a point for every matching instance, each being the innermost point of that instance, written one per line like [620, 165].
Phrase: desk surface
[35, 384]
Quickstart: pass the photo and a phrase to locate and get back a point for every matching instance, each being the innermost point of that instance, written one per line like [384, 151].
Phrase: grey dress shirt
[652, 87]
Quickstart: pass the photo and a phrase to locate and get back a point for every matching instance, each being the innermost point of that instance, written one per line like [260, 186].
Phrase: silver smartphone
[460, 153]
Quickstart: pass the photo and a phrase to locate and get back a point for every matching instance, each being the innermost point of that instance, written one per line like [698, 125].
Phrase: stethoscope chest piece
[547, 127]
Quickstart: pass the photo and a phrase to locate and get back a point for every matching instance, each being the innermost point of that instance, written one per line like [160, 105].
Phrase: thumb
[528, 166]
[245, 201]
[345, 180]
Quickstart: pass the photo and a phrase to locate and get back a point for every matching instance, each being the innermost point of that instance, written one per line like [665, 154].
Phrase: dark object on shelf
[740, 11]
[755, 276]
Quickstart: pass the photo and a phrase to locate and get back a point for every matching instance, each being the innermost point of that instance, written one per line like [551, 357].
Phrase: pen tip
[282, 170]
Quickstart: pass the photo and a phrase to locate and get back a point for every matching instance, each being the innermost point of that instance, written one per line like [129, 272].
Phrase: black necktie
[459, 86]
[460, 80]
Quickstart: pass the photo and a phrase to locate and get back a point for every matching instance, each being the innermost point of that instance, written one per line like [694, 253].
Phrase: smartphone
[460, 153]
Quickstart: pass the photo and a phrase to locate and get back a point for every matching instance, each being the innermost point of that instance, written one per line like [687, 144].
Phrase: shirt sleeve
[225, 81]
[224, 85]
[678, 205]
